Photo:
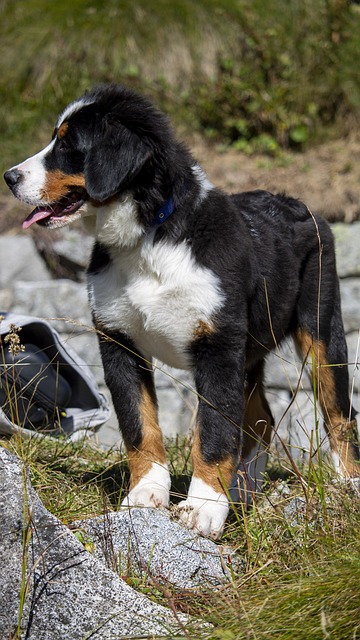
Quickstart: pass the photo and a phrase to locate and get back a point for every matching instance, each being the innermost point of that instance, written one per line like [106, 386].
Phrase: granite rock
[63, 302]
[347, 245]
[154, 545]
[67, 592]
[28, 265]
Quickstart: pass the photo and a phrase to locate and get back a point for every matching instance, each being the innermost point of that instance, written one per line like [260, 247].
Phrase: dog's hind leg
[320, 337]
[130, 380]
[331, 384]
[257, 429]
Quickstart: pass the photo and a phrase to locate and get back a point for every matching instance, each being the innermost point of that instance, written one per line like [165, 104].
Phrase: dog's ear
[116, 157]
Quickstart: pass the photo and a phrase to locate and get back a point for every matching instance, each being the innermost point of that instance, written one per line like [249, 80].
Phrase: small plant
[12, 339]
[285, 85]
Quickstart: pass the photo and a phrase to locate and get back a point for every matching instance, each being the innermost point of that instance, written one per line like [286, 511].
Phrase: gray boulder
[20, 261]
[177, 400]
[73, 250]
[51, 587]
[153, 545]
[350, 303]
[347, 245]
[64, 301]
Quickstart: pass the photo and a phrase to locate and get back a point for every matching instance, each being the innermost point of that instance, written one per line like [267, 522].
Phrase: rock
[347, 244]
[27, 266]
[295, 424]
[73, 250]
[61, 590]
[350, 303]
[86, 345]
[353, 342]
[295, 512]
[6, 297]
[63, 302]
[154, 545]
[177, 400]
[284, 368]
[299, 513]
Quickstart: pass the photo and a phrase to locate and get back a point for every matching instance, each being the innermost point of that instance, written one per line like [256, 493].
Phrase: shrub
[257, 75]
[293, 76]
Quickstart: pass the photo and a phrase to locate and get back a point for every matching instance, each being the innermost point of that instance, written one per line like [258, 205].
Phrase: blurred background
[253, 76]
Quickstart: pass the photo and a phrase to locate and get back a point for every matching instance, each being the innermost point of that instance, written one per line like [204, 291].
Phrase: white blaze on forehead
[72, 108]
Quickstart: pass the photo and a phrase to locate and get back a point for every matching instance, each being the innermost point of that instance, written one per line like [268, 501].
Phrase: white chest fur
[158, 296]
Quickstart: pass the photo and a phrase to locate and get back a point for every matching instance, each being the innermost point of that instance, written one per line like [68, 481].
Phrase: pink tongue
[38, 214]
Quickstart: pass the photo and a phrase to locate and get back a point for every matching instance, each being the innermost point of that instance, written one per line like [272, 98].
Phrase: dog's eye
[64, 144]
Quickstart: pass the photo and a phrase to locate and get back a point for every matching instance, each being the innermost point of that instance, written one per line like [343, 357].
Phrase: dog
[201, 280]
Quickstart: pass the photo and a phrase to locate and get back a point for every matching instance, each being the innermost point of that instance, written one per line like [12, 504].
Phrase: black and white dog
[200, 280]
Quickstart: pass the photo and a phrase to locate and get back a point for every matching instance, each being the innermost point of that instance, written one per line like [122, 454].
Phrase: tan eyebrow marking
[62, 130]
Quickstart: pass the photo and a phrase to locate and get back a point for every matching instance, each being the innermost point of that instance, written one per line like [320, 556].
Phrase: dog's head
[101, 144]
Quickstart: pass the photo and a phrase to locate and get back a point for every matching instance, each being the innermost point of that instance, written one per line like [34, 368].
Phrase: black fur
[274, 260]
[263, 247]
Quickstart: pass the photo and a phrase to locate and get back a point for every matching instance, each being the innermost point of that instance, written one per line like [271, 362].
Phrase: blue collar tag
[164, 212]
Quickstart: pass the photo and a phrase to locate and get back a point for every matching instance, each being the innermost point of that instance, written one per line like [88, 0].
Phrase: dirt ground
[327, 178]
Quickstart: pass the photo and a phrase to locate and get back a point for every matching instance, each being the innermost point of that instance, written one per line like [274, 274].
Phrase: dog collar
[164, 212]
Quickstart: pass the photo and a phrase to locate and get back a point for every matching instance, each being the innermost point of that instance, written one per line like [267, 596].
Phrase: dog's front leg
[219, 379]
[130, 380]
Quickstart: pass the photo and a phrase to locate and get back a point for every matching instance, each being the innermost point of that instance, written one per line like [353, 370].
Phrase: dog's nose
[12, 177]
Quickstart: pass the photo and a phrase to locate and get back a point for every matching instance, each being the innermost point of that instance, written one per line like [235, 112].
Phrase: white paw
[205, 510]
[153, 490]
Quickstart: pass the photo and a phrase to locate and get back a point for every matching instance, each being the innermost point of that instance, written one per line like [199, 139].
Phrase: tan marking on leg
[203, 329]
[257, 421]
[218, 476]
[341, 431]
[151, 449]
[58, 184]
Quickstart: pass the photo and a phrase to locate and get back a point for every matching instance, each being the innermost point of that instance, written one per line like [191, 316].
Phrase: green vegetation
[298, 545]
[300, 575]
[258, 75]
[292, 80]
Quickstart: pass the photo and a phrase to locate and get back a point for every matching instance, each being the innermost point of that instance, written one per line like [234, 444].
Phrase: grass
[300, 574]
[255, 75]
[298, 545]
[53, 51]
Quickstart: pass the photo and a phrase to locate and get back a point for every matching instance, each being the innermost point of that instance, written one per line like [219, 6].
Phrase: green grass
[320, 602]
[52, 52]
[258, 76]
[253, 74]
[300, 580]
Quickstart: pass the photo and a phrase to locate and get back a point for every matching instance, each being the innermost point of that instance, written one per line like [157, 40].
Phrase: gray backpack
[45, 388]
